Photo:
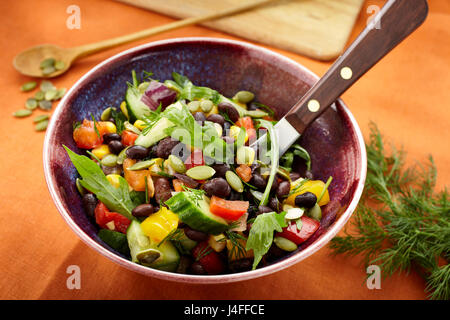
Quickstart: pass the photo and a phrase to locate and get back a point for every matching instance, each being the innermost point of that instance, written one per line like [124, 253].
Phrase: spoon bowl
[28, 61]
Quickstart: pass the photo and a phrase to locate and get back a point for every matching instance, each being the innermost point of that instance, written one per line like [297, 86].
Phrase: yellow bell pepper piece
[214, 110]
[313, 186]
[140, 124]
[101, 151]
[157, 167]
[113, 180]
[236, 254]
[160, 224]
[110, 127]
[234, 133]
[124, 109]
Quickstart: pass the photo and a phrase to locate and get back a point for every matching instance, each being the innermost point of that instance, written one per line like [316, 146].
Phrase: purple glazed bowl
[334, 140]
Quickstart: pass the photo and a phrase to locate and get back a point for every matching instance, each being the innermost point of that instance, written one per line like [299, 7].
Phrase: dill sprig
[401, 223]
[237, 242]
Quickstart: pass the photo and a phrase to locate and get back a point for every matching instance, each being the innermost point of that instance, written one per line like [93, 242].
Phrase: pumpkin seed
[28, 86]
[51, 94]
[110, 160]
[234, 181]
[122, 156]
[31, 104]
[40, 118]
[61, 93]
[128, 126]
[46, 86]
[22, 113]
[79, 186]
[285, 244]
[206, 105]
[48, 70]
[45, 105]
[59, 65]
[41, 126]
[244, 96]
[294, 213]
[141, 165]
[106, 114]
[177, 164]
[315, 212]
[245, 155]
[49, 62]
[40, 95]
[200, 172]
[193, 106]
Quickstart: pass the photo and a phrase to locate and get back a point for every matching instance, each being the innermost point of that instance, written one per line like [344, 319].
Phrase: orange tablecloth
[407, 95]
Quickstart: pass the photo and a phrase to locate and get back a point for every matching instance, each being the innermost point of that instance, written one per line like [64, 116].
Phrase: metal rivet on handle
[346, 73]
[313, 105]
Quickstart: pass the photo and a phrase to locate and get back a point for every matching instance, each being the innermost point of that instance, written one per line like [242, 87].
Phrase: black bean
[240, 265]
[226, 128]
[152, 151]
[283, 189]
[294, 176]
[200, 117]
[188, 181]
[184, 264]
[264, 209]
[115, 146]
[221, 169]
[234, 195]
[143, 210]
[218, 187]
[275, 204]
[137, 152]
[108, 137]
[162, 190]
[274, 184]
[258, 181]
[229, 110]
[306, 200]
[197, 268]
[195, 235]
[165, 147]
[217, 118]
[274, 253]
[111, 170]
[89, 204]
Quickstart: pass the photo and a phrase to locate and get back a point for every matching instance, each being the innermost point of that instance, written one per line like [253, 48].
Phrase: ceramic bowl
[334, 140]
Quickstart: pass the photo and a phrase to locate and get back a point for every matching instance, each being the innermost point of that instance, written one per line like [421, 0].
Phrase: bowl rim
[320, 242]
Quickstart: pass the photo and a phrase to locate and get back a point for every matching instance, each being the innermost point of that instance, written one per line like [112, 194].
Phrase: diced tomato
[178, 185]
[86, 137]
[291, 232]
[228, 209]
[103, 216]
[208, 258]
[135, 178]
[244, 172]
[247, 123]
[195, 159]
[128, 138]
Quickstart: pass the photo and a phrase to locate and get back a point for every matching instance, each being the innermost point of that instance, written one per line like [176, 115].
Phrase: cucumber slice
[155, 134]
[136, 108]
[147, 253]
[195, 213]
[116, 240]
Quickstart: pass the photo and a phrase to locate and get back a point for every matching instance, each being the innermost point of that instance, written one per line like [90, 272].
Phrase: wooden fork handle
[393, 23]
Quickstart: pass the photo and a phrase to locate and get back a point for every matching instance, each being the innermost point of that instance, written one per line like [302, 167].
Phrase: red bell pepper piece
[247, 123]
[228, 209]
[208, 258]
[291, 232]
[128, 138]
[104, 216]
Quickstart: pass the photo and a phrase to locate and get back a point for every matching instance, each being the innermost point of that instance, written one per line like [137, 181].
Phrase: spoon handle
[88, 49]
[394, 22]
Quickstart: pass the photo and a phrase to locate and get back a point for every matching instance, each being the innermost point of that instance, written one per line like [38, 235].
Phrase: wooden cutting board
[316, 28]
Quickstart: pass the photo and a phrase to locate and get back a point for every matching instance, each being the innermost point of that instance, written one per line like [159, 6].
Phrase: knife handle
[393, 23]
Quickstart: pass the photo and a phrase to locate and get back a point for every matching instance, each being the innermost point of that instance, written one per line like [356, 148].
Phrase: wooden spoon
[395, 21]
[28, 62]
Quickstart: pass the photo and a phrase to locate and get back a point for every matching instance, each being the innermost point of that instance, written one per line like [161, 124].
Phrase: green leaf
[261, 234]
[94, 180]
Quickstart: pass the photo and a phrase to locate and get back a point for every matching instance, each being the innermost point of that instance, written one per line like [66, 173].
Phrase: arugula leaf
[261, 234]
[94, 180]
